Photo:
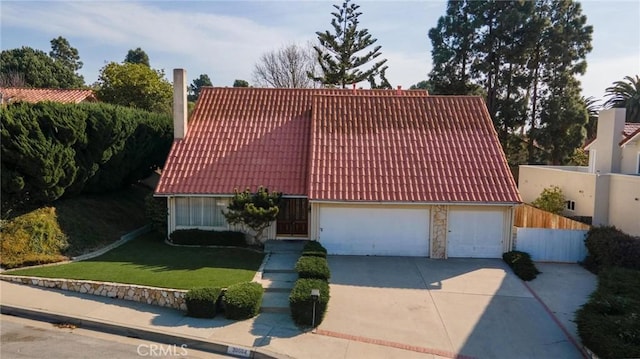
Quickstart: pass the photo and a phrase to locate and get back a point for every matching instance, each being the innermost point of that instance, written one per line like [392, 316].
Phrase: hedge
[314, 249]
[608, 246]
[301, 303]
[243, 300]
[609, 323]
[521, 264]
[313, 267]
[208, 238]
[51, 149]
[202, 302]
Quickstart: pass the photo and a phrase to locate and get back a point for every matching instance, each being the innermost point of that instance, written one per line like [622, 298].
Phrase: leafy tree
[286, 67]
[62, 51]
[240, 83]
[337, 54]
[135, 85]
[551, 200]
[422, 85]
[34, 68]
[137, 56]
[256, 211]
[625, 94]
[197, 85]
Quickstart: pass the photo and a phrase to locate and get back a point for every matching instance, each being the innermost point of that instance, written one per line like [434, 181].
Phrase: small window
[571, 205]
[638, 164]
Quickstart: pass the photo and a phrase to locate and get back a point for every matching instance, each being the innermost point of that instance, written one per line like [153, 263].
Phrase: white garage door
[475, 233]
[374, 231]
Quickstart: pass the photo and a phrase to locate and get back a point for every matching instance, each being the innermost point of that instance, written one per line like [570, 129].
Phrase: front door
[293, 218]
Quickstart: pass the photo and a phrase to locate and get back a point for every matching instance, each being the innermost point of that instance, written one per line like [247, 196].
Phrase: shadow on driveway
[470, 307]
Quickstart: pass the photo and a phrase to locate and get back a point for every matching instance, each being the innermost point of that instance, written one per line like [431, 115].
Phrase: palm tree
[625, 94]
[592, 109]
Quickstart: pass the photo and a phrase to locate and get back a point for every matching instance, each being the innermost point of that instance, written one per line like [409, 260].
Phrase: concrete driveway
[451, 308]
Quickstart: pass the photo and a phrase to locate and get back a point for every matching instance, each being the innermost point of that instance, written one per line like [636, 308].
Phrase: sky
[225, 39]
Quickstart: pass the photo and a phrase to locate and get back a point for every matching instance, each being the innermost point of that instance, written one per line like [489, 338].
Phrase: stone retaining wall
[164, 297]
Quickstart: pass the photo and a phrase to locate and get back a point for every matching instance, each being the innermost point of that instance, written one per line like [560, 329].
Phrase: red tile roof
[21, 94]
[630, 131]
[425, 149]
[330, 144]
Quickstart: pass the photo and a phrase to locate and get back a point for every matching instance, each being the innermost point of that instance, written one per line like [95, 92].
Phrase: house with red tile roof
[365, 172]
[33, 95]
[607, 191]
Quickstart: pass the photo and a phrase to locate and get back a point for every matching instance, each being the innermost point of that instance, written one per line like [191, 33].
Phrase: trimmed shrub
[609, 322]
[33, 238]
[202, 302]
[243, 300]
[521, 264]
[301, 303]
[314, 249]
[208, 238]
[313, 267]
[156, 212]
[609, 246]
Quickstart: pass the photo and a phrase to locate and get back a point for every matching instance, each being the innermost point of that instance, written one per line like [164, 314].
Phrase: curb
[140, 333]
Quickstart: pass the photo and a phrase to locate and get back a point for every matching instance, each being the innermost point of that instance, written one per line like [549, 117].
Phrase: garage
[384, 231]
[475, 232]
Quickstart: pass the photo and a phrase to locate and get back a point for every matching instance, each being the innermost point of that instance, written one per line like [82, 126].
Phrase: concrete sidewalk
[269, 335]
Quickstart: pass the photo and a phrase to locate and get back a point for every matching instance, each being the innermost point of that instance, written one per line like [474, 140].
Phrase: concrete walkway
[278, 274]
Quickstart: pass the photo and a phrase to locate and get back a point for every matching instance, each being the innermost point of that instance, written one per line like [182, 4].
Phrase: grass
[149, 261]
[609, 323]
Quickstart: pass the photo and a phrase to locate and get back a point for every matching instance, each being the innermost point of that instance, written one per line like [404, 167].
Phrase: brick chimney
[179, 103]
[610, 133]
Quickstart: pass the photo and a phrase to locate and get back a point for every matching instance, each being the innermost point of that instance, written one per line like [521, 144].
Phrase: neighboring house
[608, 190]
[365, 172]
[33, 95]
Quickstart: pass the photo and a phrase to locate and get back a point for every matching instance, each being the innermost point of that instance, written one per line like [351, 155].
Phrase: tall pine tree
[337, 54]
[524, 58]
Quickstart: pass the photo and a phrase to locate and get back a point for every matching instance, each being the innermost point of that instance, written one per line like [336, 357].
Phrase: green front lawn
[149, 261]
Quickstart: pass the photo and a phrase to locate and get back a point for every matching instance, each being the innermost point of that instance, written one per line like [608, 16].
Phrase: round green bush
[202, 302]
[313, 267]
[301, 303]
[243, 300]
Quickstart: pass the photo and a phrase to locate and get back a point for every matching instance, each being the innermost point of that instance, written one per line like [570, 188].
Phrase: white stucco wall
[624, 203]
[578, 186]
[629, 161]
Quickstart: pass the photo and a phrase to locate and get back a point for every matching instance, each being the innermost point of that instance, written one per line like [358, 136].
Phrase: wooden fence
[527, 216]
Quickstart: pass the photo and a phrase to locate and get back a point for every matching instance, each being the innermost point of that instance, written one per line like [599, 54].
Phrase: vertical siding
[552, 245]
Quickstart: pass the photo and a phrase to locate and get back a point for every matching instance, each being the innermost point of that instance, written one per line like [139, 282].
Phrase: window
[571, 205]
[200, 212]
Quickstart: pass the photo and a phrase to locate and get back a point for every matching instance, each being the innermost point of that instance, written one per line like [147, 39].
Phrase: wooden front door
[293, 219]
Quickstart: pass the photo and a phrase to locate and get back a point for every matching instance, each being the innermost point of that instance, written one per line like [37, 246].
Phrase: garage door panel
[475, 233]
[374, 231]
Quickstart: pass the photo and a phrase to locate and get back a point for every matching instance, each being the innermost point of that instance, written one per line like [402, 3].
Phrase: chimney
[607, 149]
[399, 90]
[179, 103]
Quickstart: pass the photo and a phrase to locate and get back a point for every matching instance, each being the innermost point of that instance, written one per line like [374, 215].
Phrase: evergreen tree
[62, 51]
[240, 83]
[197, 85]
[518, 54]
[337, 54]
[256, 211]
[34, 68]
[137, 56]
